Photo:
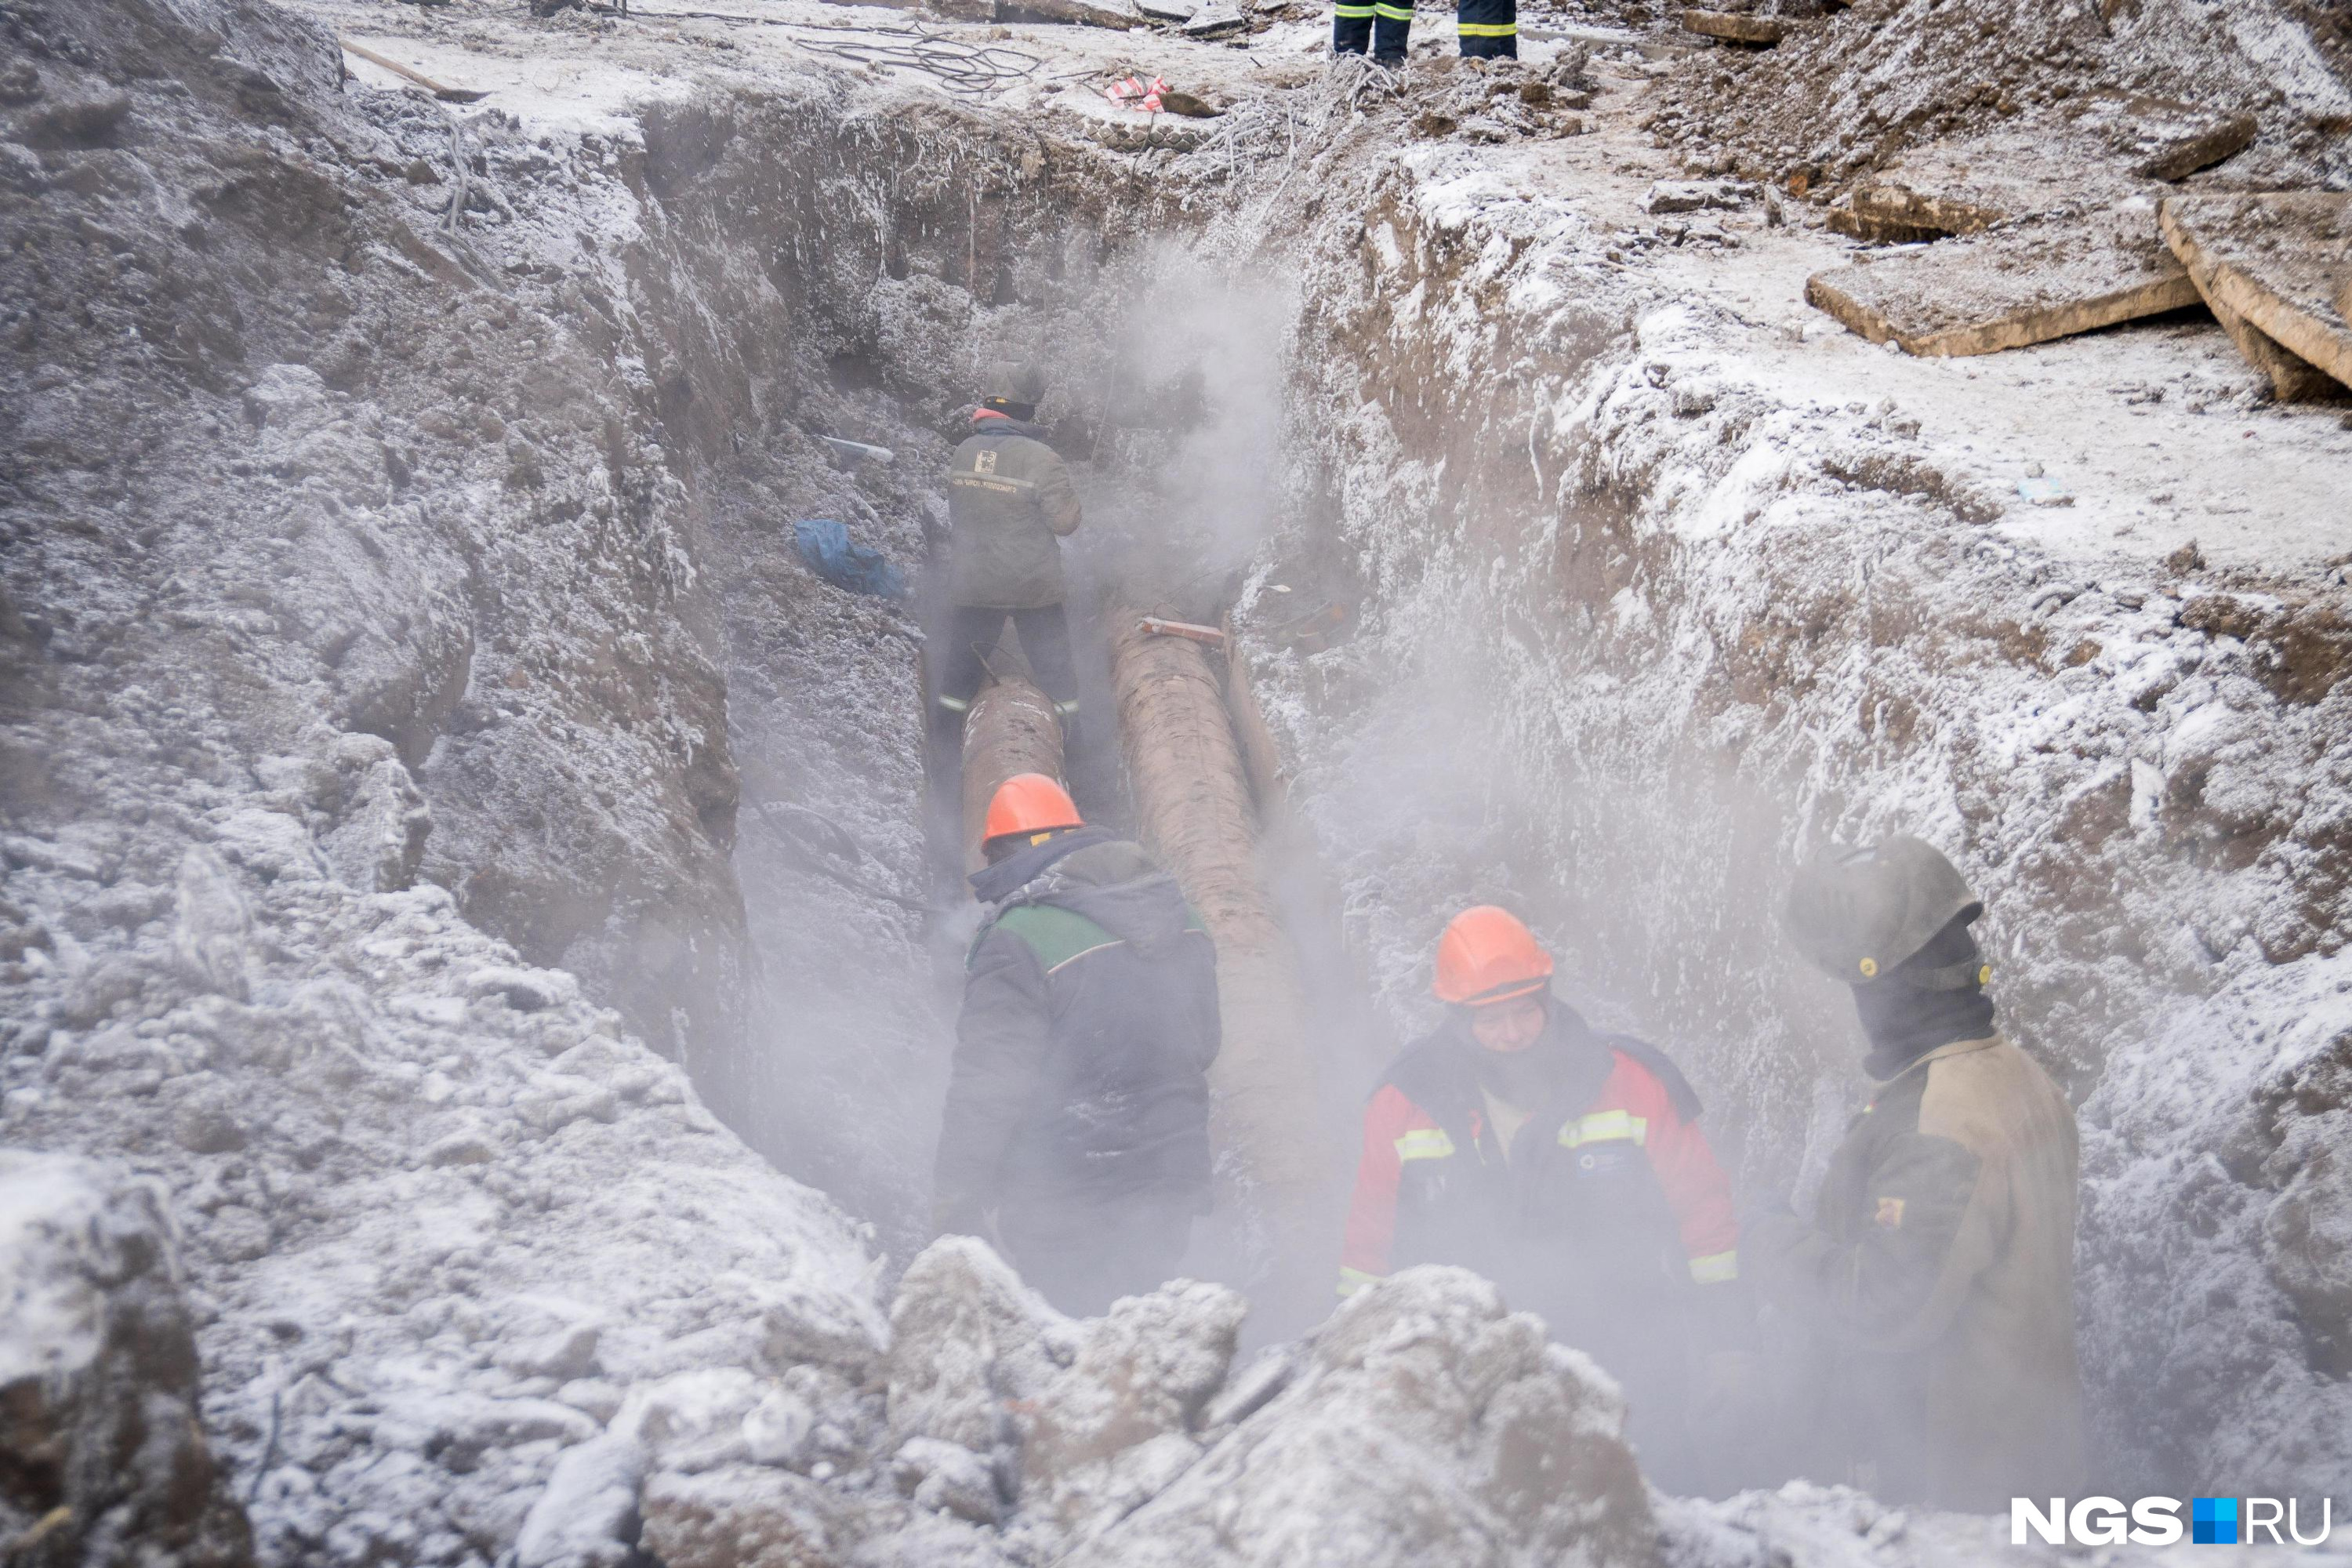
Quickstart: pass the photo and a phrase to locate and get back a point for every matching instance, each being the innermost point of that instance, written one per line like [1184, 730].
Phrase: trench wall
[816, 259]
[1625, 654]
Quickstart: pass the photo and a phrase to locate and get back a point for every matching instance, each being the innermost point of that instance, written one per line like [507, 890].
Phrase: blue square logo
[2213, 1520]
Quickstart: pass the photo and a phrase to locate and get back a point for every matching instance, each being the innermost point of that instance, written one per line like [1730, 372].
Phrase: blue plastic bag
[825, 545]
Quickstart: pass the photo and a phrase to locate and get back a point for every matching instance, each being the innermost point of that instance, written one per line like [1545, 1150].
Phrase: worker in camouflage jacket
[1934, 1281]
[1077, 1130]
[1010, 504]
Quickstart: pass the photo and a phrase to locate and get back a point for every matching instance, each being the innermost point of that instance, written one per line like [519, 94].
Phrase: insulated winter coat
[1608, 1216]
[1089, 1022]
[1938, 1271]
[1010, 502]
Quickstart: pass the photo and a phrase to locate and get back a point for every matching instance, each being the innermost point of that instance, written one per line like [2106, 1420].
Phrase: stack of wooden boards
[2046, 231]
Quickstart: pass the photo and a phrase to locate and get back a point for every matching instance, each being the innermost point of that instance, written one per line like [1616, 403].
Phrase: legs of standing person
[1383, 25]
[970, 633]
[1351, 28]
[1045, 642]
[1490, 28]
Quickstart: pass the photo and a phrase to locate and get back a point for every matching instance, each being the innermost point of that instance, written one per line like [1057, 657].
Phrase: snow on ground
[1654, 598]
[1655, 585]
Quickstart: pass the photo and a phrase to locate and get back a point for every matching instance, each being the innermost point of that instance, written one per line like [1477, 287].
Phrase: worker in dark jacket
[1566, 1165]
[1010, 504]
[1078, 1109]
[1488, 28]
[1935, 1277]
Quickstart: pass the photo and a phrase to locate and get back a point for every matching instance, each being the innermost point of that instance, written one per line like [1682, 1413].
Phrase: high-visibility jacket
[1608, 1214]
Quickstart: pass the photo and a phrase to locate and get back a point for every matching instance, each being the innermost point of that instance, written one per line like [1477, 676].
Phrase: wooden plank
[2293, 378]
[1115, 13]
[2026, 282]
[2160, 138]
[1968, 184]
[1732, 27]
[2278, 262]
[2104, 147]
[1159, 626]
[1900, 211]
[407, 73]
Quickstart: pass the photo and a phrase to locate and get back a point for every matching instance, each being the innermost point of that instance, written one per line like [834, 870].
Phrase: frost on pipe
[1011, 730]
[1278, 1169]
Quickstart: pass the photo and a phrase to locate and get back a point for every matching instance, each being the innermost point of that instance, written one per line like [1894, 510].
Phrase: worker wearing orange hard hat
[1077, 1130]
[1565, 1164]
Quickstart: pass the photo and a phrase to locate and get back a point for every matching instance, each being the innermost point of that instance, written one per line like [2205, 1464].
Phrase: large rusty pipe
[1281, 1172]
[1012, 729]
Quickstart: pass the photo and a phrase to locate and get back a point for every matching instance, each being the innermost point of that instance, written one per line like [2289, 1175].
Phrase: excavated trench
[855, 293]
[1510, 621]
[1482, 653]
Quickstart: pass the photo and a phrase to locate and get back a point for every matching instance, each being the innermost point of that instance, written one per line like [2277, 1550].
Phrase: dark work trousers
[973, 632]
[1383, 27]
[1083, 1256]
[1490, 29]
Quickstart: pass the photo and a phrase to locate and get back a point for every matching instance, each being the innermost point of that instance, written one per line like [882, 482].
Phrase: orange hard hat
[1488, 954]
[1029, 802]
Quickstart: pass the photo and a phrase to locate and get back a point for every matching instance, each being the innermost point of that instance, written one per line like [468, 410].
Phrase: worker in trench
[1929, 1298]
[1568, 1166]
[1077, 1130]
[1489, 29]
[1010, 505]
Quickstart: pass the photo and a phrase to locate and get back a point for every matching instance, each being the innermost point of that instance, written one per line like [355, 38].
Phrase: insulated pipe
[1011, 728]
[1281, 1174]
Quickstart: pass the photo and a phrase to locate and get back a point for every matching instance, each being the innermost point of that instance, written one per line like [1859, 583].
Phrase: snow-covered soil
[430, 781]
[1662, 583]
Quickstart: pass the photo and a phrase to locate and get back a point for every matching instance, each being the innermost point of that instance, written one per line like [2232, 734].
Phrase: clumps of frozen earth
[1845, 93]
[101, 1455]
[436, 1208]
[1424, 1422]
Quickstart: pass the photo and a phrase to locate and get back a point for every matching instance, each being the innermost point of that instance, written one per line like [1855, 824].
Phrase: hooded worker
[1078, 1112]
[1010, 504]
[1937, 1274]
[1565, 1164]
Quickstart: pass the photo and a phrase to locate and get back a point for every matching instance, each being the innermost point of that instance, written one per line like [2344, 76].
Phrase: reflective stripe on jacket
[1613, 1189]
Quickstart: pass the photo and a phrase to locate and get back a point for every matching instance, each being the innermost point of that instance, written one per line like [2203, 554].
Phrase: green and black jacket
[1089, 1022]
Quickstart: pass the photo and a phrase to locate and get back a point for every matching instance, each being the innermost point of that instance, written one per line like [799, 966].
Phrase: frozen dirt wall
[817, 259]
[1631, 644]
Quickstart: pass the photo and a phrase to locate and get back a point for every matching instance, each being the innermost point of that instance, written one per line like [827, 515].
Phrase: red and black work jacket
[1607, 1209]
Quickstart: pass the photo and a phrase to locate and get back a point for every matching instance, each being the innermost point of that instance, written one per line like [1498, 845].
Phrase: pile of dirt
[1844, 93]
